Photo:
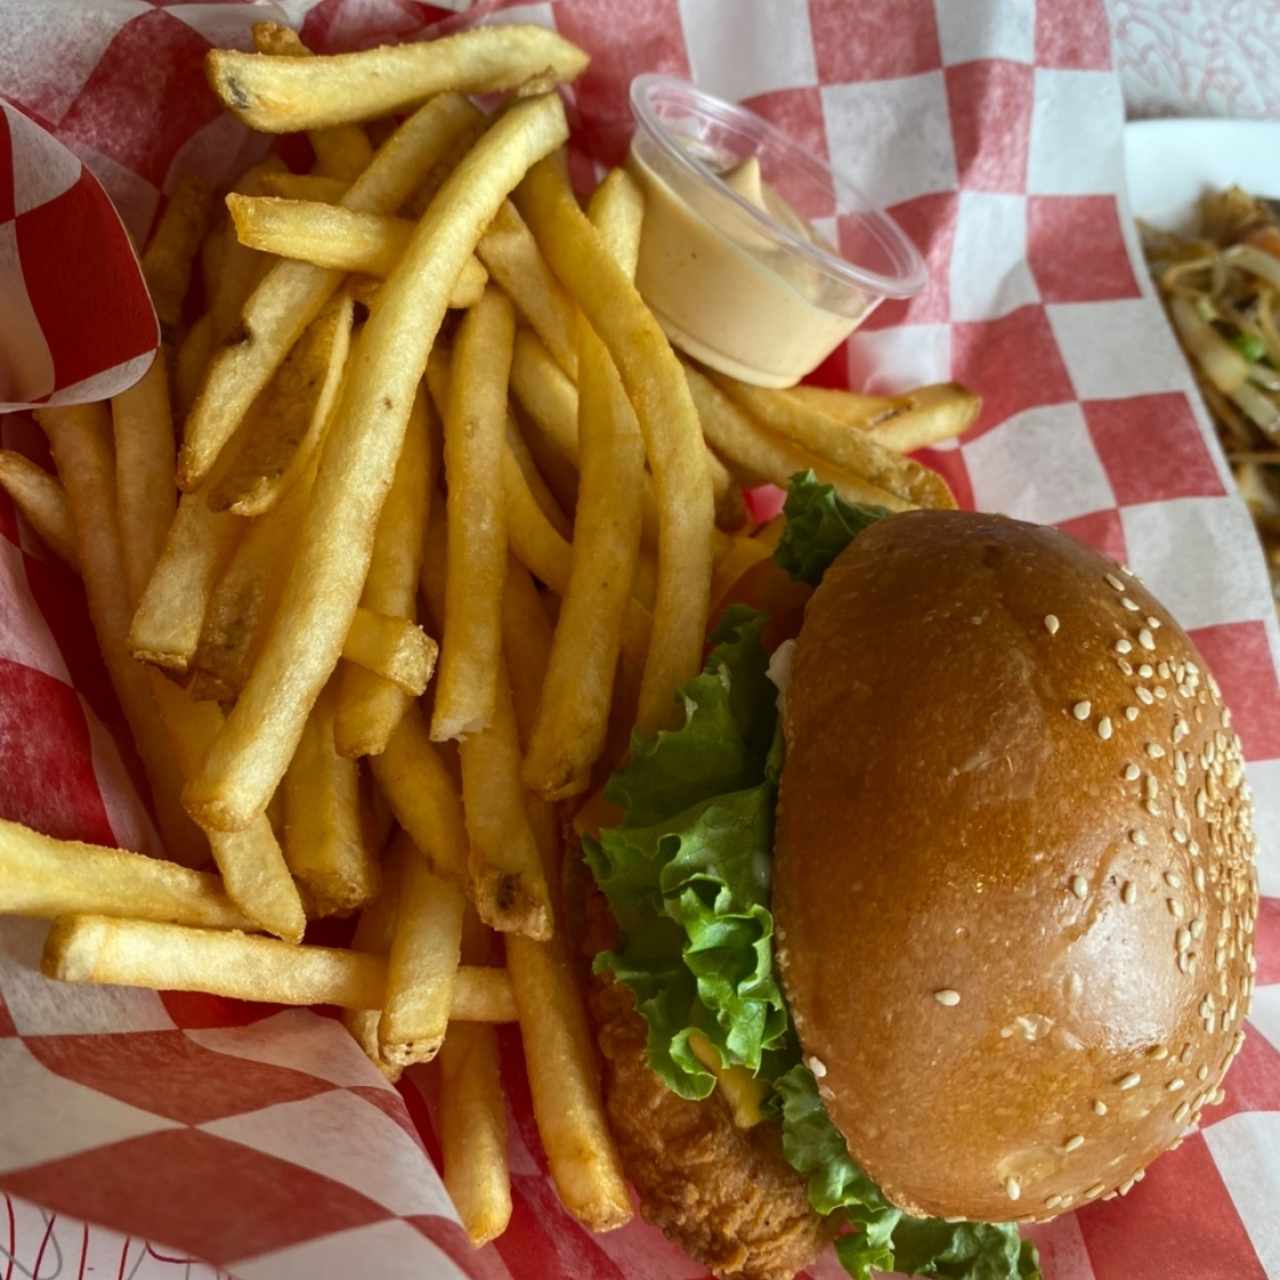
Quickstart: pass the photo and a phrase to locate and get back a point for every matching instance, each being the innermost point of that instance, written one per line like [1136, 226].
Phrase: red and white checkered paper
[259, 1140]
[76, 324]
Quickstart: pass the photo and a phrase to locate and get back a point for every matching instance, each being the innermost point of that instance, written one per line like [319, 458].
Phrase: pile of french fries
[414, 519]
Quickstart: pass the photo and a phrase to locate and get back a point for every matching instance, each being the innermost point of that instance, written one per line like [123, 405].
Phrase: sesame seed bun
[1014, 883]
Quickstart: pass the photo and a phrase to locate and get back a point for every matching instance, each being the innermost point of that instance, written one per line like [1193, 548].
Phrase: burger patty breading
[724, 1194]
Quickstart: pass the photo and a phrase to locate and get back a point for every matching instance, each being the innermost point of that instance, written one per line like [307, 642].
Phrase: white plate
[1170, 163]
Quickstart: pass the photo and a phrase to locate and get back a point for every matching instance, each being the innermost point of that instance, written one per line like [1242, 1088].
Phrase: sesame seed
[1074, 1142]
[1161, 693]
[1051, 623]
[1099, 1107]
[1182, 1112]
[1162, 670]
[947, 997]
[1153, 809]
[1013, 1188]
[1123, 646]
[1146, 639]
[1096, 1190]
[1131, 713]
[1124, 666]
[1139, 838]
[817, 1066]
[1153, 622]
[1128, 893]
[1218, 1097]
[1131, 1081]
[1104, 728]
[1155, 750]
[1203, 1073]
[1175, 908]
[1197, 877]
[1197, 925]
[1180, 836]
[1182, 939]
[1175, 1084]
[1184, 962]
[1052, 1202]
[1146, 671]
[1081, 709]
[1173, 879]
[1131, 773]
[1129, 604]
[1144, 694]
[1080, 886]
[1114, 582]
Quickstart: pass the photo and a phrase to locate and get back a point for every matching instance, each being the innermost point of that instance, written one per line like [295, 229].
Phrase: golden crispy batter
[724, 1194]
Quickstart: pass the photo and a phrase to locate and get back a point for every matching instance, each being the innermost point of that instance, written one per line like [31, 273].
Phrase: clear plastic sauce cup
[729, 263]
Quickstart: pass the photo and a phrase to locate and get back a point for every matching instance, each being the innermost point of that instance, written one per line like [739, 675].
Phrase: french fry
[304, 186]
[766, 458]
[549, 557]
[856, 452]
[292, 294]
[252, 865]
[573, 713]
[43, 501]
[913, 420]
[412, 775]
[343, 239]
[169, 256]
[324, 839]
[673, 440]
[283, 95]
[373, 936]
[853, 408]
[926, 416]
[190, 362]
[323, 590]
[246, 596]
[560, 1050]
[342, 151]
[526, 645]
[507, 882]
[81, 440]
[547, 502]
[438, 373]
[167, 623]
[286, 424]
[473, 1117]
[423, 960]
[171, 957]
[241, 269]
[146, 496]
[369, 706]
[549, 419]
[564, 1080]
[41, 876]
[510, 252]
[393, 649]
[474, 427]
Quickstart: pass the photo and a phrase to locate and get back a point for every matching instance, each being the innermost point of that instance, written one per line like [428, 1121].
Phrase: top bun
[1014, 882]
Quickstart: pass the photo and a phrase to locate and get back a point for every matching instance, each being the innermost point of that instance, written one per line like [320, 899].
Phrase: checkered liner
[74, 326]
[259, 1140]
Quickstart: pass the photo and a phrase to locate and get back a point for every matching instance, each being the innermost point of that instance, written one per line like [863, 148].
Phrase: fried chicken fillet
[724, 1194]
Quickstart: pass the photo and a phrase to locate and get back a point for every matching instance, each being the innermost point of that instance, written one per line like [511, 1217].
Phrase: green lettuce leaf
[820, 524]
[687, 870]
